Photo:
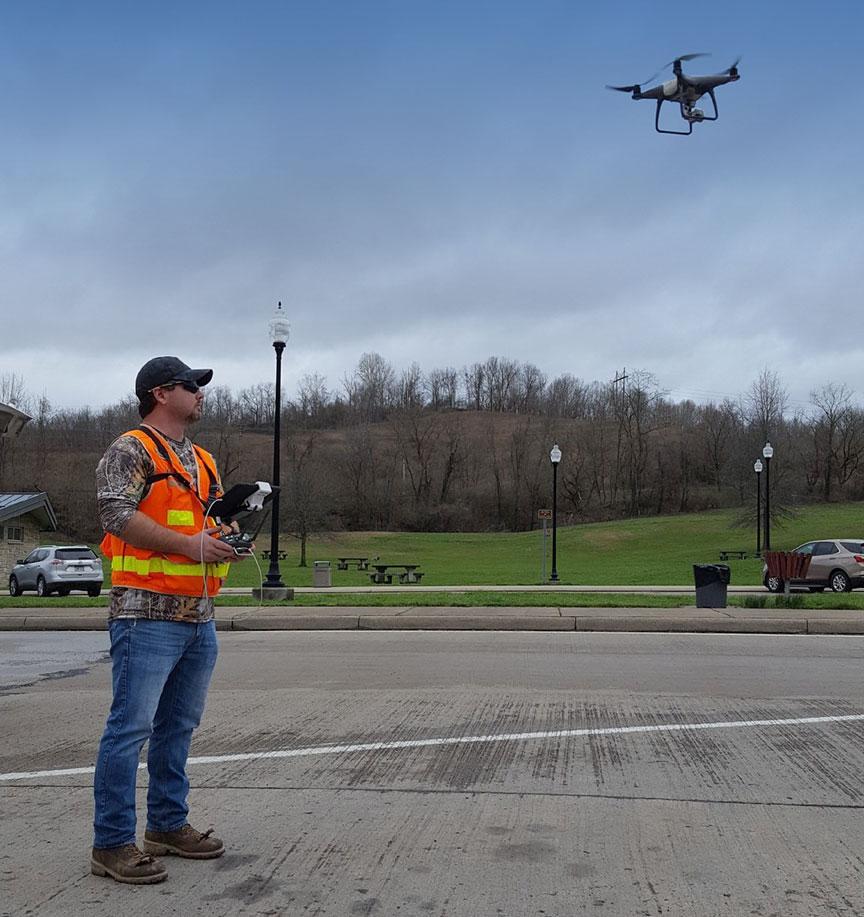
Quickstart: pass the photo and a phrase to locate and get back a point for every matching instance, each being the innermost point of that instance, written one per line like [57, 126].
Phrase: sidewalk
[688, 619]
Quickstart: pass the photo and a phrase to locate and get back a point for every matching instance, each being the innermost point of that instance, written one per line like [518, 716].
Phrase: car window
[824, 547]
[32, 557]
[805, 548]
[74, 554]
[856, 547]
[42, 554]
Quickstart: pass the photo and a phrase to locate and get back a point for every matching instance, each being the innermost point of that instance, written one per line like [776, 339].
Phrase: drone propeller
[733, 70]
[687, 57]
[637, 87]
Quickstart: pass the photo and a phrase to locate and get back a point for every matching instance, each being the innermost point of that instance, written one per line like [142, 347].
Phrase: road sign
[544, 513]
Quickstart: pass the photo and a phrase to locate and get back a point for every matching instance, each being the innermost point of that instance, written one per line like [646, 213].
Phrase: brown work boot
[126, 864]
[185, 842]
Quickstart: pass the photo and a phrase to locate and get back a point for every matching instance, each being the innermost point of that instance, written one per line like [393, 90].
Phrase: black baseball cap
[162, 370]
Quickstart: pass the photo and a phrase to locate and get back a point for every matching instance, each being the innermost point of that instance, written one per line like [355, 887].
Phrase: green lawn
[653, 551]
[650, 551]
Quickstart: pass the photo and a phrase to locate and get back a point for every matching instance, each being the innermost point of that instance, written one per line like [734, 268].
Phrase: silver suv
[57, 568]
[837, 564]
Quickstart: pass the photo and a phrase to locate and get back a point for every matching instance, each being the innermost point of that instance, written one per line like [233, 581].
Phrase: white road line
[467, 740]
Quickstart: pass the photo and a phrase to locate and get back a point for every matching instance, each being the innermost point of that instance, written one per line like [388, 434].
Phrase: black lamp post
[767, 452]
[757, 467]
[279, 332]
[555, 458]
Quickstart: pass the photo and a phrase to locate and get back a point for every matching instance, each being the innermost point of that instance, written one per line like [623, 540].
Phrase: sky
[435, 182]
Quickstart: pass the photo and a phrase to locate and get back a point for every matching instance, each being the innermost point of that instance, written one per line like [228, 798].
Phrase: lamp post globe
[767, 454]
[757, 467]
[554, 458]
[280, 331]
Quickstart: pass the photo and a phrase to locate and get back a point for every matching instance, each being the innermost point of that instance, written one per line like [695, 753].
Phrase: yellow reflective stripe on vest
[142, 566]
[180, 517]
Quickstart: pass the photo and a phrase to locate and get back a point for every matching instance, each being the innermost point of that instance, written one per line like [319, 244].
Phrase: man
[167, 563]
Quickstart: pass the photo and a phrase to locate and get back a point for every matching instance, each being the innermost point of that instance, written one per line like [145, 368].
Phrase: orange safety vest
[172, 501]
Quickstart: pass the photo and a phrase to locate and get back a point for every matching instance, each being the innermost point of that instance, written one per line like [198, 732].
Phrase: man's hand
[143, 532]
[209, 548]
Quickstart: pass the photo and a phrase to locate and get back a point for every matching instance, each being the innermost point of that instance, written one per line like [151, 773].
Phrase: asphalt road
[465, 774]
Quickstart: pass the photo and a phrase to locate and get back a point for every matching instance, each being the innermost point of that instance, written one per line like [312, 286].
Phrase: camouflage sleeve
[121, 482]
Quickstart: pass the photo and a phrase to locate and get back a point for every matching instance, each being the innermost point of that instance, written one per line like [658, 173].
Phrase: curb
[466, 622]
[663, 623]
[695, 625]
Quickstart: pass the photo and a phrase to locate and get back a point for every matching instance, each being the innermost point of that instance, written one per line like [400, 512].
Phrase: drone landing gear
[688, 113]
[660, 130]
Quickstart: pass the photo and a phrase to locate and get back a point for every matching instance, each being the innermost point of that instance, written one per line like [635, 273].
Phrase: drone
[685, 90]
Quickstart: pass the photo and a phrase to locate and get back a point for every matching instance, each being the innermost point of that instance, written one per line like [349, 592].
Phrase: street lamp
[757, 467]
[767, 452]
[555, 458]
[279, 333]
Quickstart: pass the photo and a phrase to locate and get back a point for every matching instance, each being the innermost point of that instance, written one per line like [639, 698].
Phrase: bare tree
[565, 396]
[313, 397]
[410, 387]
[14, 392]
[442, 388]
[474, 378]
[257, 405]
[370, 389]
[304, 507]
[716, 429]
[834, 407]
[765, 404]
[531, 384]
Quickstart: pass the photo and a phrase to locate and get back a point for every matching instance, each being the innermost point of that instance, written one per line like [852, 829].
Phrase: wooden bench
[728, 555]
[281, 555]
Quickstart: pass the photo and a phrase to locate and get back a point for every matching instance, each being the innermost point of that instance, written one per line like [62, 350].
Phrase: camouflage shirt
[120, 486]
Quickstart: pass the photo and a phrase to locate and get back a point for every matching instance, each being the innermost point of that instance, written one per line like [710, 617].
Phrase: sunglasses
[190, 387]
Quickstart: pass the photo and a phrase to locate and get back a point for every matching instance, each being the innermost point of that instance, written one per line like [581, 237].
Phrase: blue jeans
[161, 671]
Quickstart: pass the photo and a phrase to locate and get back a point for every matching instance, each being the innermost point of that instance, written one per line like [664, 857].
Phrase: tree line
[468, 449]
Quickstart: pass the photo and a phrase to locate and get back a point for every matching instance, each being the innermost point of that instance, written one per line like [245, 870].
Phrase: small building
[11, 420]
[22, 518]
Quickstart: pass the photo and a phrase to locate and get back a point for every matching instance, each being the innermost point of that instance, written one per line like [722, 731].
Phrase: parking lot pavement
[473, 773]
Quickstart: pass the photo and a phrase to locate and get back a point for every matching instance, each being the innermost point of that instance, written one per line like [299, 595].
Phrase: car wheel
[94, 591]
[42, 589]
[774, 584]
[839, 582]
[14, 587]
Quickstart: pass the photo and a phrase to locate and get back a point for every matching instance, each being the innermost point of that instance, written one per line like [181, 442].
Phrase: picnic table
[727, 555]
[281, 555]
[381, 576]
[361, 563]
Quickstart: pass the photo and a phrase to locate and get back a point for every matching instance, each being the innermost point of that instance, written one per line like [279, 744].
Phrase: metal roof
[38, 505]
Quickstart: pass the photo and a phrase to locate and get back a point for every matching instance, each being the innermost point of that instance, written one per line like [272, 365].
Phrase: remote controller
[240, 541]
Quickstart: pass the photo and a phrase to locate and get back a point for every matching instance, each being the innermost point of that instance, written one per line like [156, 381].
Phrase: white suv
[837, 564]
[57, 568]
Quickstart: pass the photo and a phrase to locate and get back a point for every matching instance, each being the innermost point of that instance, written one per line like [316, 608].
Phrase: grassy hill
[648, 551]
